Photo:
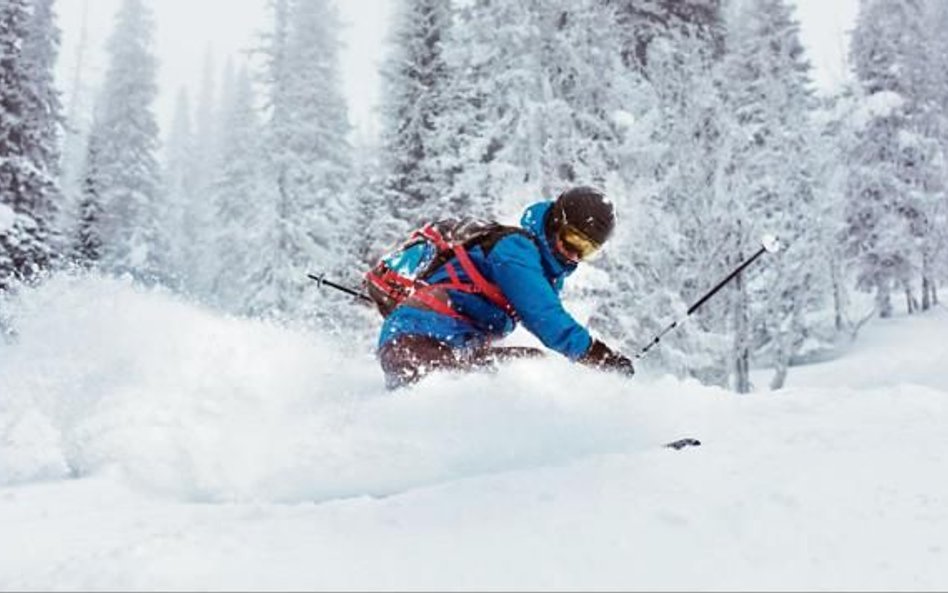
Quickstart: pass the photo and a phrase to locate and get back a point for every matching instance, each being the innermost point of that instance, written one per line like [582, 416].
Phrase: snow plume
[103, 375]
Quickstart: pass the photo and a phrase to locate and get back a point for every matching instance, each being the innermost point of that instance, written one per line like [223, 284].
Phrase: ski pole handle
[321, 279]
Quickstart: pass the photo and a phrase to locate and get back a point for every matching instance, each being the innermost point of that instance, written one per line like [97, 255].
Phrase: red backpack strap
[424, 296]
[388, 277]
[481, 284]
[478, 285]
[434, 235]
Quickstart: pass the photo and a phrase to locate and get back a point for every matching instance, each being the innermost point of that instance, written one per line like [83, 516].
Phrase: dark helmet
[581, 219]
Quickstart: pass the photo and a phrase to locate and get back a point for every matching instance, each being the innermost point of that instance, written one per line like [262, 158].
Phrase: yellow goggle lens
[578, 243]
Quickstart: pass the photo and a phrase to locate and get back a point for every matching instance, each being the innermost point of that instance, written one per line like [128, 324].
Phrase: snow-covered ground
[149, 443]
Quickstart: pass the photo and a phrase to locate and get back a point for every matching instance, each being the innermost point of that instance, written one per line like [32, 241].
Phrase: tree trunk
[741, 338]
[911, 303]
[781, 367]
[926, 280]
[839, 297]
[883, 299]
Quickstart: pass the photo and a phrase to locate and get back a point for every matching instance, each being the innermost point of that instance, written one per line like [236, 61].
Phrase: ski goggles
[575, 244]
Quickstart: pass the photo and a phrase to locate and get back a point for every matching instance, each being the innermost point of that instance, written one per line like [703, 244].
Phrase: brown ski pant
[409, 358]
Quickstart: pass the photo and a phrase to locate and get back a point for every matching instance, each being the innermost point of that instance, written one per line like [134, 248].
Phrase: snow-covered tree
[930, 76]
[645, 21]
[87, 243]
[308, 154]
[129, 179]
[666, 246]
[206, 133]
[199, 219]
[716, 155]
[834, 134]
[76, 128]
[897, 159]
[766, 185]
[416, 83]
[382, 229]
[243, 203]
[536, 86]
[495, 85]
[30, 119]
[40, 52]
[181, 186]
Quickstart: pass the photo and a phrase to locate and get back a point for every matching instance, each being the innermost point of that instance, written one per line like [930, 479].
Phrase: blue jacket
[529, 275]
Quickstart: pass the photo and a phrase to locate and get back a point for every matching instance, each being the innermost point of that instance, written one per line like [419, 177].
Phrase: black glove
[602, 357]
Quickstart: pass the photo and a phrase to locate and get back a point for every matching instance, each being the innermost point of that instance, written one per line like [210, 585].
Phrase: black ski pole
[321, 279]
[769, 244]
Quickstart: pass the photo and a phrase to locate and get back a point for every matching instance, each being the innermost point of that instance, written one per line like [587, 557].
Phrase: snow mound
[106, 375]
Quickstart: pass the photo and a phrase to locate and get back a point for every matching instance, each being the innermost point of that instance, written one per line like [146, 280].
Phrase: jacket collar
[534, 222]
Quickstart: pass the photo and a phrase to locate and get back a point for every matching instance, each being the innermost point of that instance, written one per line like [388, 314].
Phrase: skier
[515, 275]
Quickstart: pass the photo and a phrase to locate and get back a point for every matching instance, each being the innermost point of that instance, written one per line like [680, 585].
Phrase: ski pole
[768, 244]
[321, 279]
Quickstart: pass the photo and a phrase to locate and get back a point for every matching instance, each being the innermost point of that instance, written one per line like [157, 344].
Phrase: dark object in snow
[682, 443]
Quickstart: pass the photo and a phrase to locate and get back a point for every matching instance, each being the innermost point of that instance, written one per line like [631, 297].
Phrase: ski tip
[682, 443]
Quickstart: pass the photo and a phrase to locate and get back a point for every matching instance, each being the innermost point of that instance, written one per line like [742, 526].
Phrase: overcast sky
[188, 29]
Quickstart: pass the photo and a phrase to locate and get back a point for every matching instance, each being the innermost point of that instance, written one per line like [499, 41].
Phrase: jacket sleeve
[518, 272]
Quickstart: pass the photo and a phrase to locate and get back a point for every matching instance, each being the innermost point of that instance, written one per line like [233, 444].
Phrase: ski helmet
[580, 221]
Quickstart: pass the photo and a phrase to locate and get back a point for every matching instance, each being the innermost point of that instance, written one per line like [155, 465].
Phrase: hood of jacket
[534, 222]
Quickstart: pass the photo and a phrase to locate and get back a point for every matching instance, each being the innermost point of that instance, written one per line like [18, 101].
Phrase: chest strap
[478, 284]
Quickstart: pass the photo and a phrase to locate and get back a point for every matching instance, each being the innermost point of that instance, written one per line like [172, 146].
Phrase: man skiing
[515, 275]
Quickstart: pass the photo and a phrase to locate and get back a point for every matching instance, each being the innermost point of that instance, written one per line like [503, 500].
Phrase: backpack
[402, 274]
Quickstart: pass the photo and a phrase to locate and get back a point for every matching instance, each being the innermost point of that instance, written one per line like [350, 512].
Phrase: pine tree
[666, 248]
[181, 182]
[836, 134]
[87, 243]
[199, 219]
[244, 204]
[643, 22]
[939, 248]
[895, 159]
[767, 184]
[40, 52]
[308, 154]
[491, 54]
[128, 173]
[76, 130]
[930, 79]
[533, 101]
[30, 117]
[416, 82]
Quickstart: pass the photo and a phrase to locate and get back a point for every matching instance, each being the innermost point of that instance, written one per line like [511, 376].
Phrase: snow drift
[149, 443]
[104, 374]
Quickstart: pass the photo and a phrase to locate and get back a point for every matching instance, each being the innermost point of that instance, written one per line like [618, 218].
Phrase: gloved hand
[602, 357]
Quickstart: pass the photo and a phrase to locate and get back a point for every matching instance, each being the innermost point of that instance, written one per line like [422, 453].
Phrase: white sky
[188, 29]
[824, 28]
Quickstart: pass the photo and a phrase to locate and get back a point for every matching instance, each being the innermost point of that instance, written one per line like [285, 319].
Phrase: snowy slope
[148, 443]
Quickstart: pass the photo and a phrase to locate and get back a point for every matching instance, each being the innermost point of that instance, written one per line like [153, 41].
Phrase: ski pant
[409, 358]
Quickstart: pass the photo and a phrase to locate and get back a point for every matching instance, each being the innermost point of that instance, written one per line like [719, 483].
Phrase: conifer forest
[698, 118]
